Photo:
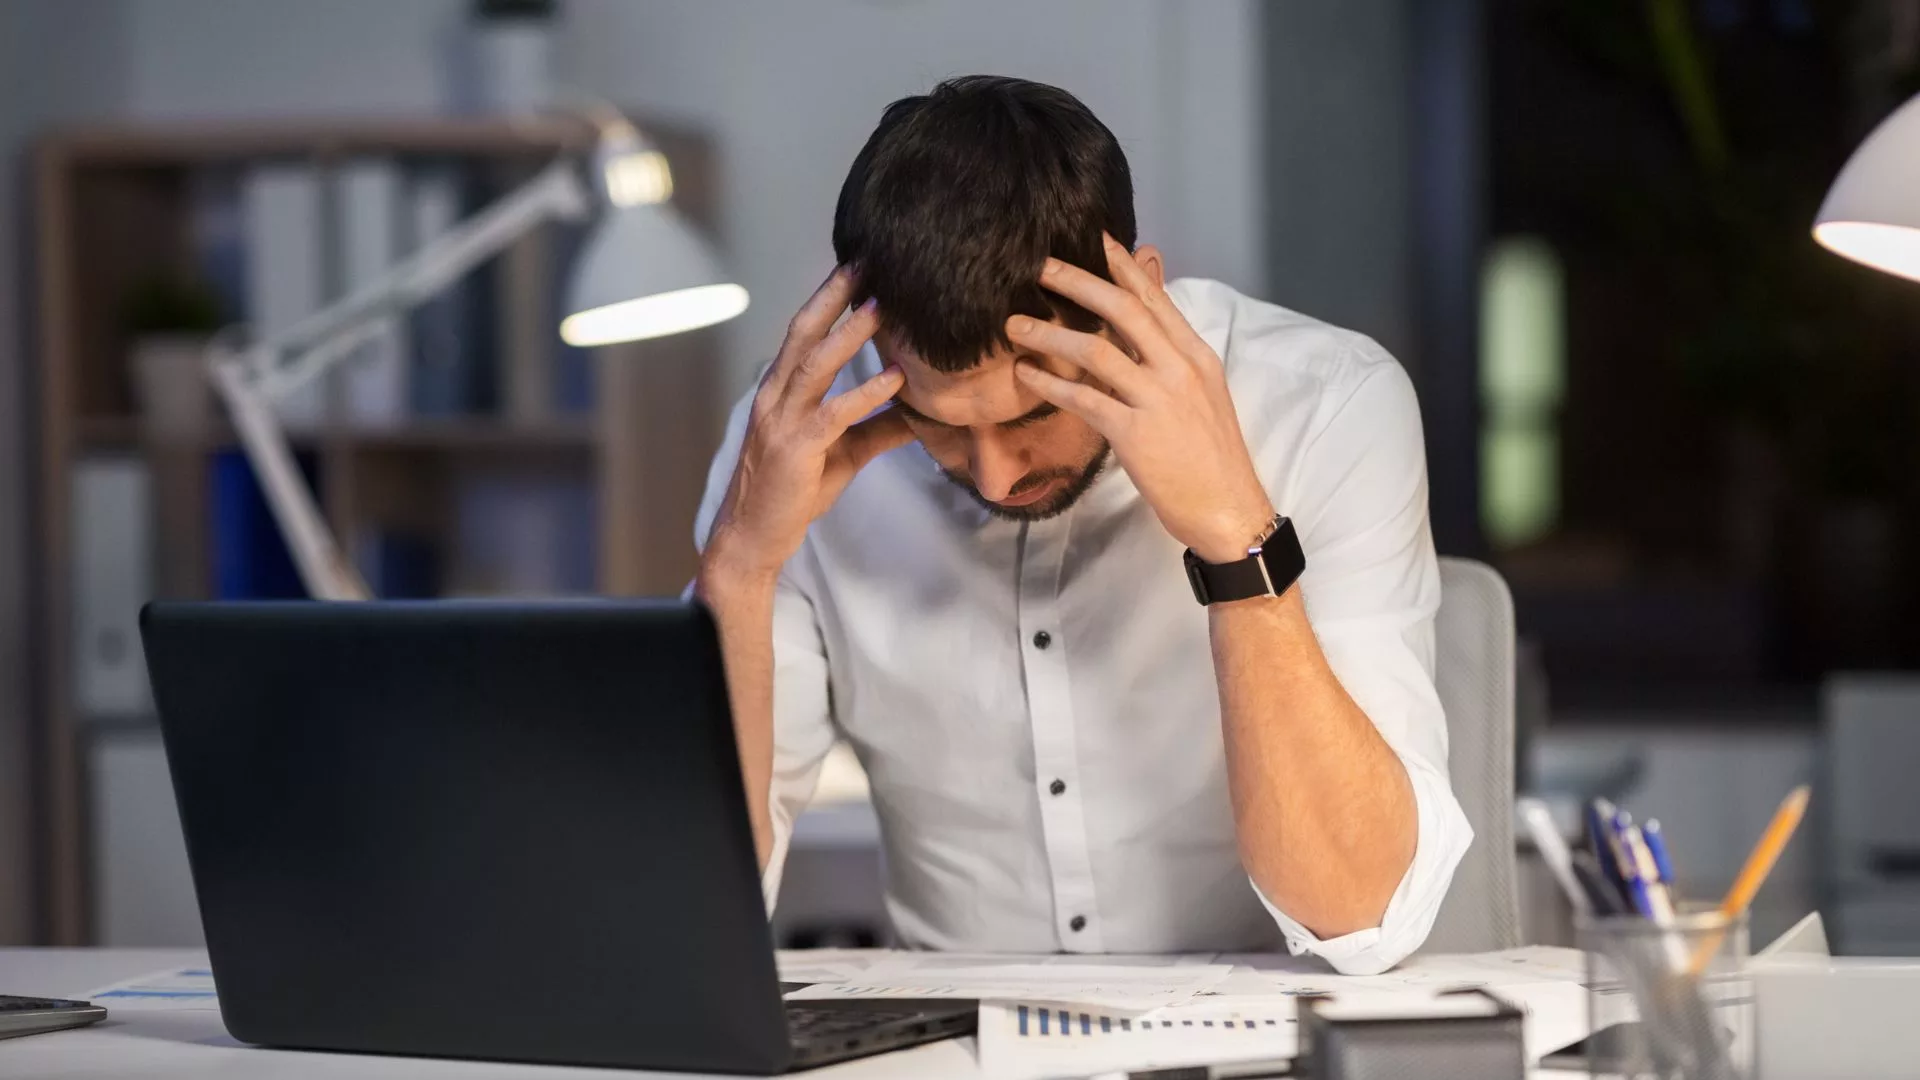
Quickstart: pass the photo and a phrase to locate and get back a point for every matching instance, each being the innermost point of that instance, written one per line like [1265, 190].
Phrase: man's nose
[996, 467]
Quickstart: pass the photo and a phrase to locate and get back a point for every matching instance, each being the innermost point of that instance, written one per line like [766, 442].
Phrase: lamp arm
[249, 380]
[285, 363]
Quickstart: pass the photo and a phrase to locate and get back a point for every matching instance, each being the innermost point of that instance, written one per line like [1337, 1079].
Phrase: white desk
[192, 1045]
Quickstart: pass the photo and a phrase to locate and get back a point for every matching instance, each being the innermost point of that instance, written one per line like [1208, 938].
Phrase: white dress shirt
[1035, 704]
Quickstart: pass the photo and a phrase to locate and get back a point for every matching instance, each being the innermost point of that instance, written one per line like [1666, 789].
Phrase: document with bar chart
[1031, 1041]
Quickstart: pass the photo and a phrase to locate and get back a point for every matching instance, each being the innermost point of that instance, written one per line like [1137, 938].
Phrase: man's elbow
[1344, 903]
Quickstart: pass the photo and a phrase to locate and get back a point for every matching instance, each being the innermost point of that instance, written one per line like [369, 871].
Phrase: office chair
[1474, 671]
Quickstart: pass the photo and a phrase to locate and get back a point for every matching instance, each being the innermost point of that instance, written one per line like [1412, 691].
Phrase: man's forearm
[1323, 806]
[742, 604]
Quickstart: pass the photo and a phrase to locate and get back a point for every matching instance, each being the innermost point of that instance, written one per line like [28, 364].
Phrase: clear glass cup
[1672, 1002]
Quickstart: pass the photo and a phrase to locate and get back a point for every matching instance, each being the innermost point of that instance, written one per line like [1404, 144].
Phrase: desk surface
[191, 1045]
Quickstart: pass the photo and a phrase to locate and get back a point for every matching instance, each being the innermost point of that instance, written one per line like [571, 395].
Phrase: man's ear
[1150, 260]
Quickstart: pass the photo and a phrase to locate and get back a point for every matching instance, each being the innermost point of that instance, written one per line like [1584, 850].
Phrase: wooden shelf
[114, 433]
[453, 434]
[473, 433]
[115, 206]
[180, 143]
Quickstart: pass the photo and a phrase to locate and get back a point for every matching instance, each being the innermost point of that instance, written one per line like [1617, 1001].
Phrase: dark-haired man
[1067, 752]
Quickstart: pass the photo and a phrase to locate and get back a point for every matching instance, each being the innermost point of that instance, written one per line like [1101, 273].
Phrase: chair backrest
[1474, 672]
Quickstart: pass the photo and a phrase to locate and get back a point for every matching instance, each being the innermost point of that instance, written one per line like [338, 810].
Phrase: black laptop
[484, 830]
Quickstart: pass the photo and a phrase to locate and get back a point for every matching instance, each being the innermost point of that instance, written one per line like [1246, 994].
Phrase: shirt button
[1078, 924]
[1058, 787]
[1042, 639]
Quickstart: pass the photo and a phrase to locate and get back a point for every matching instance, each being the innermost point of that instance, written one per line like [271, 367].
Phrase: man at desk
[1067, 752]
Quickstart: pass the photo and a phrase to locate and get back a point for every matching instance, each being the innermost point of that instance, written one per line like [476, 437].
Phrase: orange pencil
[1759, 864]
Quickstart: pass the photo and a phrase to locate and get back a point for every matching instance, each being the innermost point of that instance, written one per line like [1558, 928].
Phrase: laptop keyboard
[810, 1023]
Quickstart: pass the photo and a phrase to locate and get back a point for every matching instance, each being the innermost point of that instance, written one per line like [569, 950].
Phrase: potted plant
[170, 320]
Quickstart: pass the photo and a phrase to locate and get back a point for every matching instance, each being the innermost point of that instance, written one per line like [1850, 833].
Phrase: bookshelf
[113, 207]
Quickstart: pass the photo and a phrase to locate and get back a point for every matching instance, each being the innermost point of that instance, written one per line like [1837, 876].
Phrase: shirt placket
[1043, 653]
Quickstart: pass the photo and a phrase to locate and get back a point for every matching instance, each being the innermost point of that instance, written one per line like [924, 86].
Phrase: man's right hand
[801, 447]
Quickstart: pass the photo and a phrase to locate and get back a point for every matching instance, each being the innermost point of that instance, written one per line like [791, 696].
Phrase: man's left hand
[1165, 410]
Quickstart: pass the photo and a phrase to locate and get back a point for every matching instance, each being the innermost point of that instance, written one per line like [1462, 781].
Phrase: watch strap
[1271, 567]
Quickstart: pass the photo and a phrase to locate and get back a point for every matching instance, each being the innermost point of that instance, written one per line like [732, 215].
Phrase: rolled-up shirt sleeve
[1444, 836]
[803, 729]
[1372, 587]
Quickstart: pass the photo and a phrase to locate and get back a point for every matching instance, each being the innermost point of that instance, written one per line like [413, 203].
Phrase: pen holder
[1673, 1002]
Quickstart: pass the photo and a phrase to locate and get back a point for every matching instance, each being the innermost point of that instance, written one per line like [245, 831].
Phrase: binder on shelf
[522, 533]
[524, 309]
[112, 529]
[398, 565]
[445, 376]
[218, 230]
[572, 366]
[282, 208]
[370, 196]
[250, 558]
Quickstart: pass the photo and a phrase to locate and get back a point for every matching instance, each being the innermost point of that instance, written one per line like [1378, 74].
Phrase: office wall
[1338, 104]
[58, 62]
[244, 58]
[15, 799]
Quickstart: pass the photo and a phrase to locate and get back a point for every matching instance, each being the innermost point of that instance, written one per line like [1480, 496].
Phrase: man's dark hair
[960, 195]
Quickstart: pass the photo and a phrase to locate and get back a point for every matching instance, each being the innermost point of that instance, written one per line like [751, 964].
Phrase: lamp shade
[1872, 212]
[644, 273]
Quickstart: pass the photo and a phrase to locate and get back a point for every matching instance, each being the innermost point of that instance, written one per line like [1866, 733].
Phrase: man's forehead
[985, 394]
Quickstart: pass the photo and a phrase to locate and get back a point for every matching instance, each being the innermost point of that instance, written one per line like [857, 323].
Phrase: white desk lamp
[1872, 212]
[642, 274]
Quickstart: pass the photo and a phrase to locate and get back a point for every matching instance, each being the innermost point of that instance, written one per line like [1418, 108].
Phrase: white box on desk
[1825, 1017]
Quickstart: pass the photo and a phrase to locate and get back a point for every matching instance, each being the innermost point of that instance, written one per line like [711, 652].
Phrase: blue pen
[1621, 836]
[1659, 904]
[1599, 812]
[1657, 844]
[1606, 845]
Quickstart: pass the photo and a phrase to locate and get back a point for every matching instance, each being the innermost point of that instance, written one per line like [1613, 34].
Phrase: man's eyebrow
[1032, 416]
[900, 406]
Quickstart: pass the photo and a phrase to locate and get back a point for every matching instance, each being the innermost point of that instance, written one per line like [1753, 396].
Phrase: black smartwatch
[1273, 563]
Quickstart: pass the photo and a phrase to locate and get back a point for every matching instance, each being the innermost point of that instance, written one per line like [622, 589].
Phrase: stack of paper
[1544, 982]
[825, 965]
[1111, 983]
[1252, 1014]
[1052, 1016]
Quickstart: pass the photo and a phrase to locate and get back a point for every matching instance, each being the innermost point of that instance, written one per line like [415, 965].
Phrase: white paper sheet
[935, 961]
[1531, 965]
[179, 988]
[1110, 985]
[826, 965]
[1545, 982]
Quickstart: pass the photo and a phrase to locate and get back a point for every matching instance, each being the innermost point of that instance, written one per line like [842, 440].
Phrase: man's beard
[1078, 481]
